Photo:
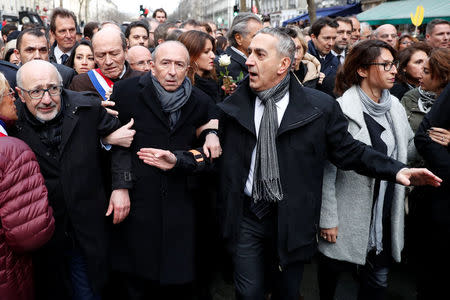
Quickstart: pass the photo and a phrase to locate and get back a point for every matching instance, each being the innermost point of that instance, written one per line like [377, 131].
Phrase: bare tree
[243, 6]
[311, 10]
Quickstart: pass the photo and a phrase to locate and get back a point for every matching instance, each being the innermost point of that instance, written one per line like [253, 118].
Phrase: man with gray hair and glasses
[65, 130]
[270, 186]
[243, 29]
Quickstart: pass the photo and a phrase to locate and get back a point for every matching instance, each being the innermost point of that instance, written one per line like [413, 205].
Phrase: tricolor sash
[101, 83]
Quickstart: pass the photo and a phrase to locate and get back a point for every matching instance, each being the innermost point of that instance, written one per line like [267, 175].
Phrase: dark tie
[64, 58]
[260, 208]
[339, 58]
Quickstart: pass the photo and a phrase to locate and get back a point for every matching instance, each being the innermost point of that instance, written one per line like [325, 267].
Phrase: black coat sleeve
[350, 154]
[436, 156]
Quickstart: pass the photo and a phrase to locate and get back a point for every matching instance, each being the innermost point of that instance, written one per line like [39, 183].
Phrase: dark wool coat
[437, 158]
[313, 130]
[74, 182]
[156, 241]
[26, 220]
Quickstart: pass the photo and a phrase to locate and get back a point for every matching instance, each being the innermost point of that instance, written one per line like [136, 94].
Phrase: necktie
[339, 58]
[64, 58]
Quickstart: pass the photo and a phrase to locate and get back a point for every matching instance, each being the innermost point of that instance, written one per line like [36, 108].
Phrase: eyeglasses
[387, 65]
[39, 93]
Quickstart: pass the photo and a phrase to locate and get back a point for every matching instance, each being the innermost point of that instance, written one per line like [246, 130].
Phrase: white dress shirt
[58, 53]
[259, 110]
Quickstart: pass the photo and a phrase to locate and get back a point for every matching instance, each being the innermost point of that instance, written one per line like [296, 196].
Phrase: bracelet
[208, 131]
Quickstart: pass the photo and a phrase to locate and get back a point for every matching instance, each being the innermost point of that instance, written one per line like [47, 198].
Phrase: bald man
[139, 58]
[387, 33]
[64, 129]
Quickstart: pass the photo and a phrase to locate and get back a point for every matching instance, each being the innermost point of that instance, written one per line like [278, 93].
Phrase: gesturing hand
[161, 159]
[119, 203]
[416, 176]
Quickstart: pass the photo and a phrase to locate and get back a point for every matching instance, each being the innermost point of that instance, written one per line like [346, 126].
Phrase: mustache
[50, 105]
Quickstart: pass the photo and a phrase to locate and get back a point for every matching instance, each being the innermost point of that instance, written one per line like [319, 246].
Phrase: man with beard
[65, 130]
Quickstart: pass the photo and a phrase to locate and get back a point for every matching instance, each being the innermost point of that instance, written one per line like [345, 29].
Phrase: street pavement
[401, 285]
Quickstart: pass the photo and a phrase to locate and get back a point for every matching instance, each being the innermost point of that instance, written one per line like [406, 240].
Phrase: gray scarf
[266, 180]
[172, 102]
[378, 110]
[426, 100]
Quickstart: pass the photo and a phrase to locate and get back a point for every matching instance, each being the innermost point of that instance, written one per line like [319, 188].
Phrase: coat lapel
[241, 106]
[299, 111]
[186, 110]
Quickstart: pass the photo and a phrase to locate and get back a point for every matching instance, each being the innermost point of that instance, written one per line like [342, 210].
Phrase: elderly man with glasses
[65, 130]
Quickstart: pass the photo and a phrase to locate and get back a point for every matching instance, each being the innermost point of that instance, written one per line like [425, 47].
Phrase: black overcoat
[313, 129]
[77, 178]
[156, 241]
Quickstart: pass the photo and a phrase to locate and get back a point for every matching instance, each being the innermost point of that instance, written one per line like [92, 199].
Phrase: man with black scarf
[271, 185]
[65, 130]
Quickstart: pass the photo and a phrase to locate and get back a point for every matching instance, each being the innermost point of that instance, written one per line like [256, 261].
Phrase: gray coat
[347, 196]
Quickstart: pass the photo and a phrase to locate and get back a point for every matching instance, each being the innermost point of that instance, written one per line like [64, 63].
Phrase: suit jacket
[313, 129]
[76, 180]
[156, 241]
[82, 82]
[237, 64]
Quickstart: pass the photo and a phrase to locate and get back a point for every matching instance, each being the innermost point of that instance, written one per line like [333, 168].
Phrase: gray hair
[240, 25]
[285, 46]
[174, 43]
[19, 72]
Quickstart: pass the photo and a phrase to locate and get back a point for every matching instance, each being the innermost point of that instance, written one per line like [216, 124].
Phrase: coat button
[47, 153]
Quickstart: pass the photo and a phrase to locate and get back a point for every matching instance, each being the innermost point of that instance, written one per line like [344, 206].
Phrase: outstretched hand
[161, 159]
[415, 176]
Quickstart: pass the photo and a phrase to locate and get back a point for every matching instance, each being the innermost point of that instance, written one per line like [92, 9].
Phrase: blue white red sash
[101, 83]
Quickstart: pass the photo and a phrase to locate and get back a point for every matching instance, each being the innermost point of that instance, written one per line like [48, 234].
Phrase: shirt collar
[58, 52]
[239, 52]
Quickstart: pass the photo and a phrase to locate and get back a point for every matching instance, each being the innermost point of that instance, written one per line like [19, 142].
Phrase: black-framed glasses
[387, 65]
[39, 93]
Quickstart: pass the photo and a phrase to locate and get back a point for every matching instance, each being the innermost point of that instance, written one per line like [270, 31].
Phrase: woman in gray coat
[362, 218]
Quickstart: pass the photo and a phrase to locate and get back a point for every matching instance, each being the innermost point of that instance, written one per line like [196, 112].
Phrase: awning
[398, 12]
[333, 11]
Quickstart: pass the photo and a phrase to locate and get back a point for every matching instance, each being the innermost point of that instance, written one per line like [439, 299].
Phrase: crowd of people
[139, 161]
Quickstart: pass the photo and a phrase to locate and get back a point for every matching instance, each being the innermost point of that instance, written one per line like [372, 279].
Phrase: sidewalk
[401, 286]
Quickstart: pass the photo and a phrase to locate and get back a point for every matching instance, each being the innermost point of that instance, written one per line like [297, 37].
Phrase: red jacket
[26, 219]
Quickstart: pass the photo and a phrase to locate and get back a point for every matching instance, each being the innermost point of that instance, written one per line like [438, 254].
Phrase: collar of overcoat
[300, 110]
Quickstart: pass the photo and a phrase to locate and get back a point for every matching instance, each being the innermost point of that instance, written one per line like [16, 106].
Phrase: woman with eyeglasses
[362, 218]
[406, 40]
[409, 75]
[26, 221]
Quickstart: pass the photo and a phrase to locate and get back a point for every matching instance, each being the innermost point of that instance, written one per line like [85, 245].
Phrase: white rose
[224, 60]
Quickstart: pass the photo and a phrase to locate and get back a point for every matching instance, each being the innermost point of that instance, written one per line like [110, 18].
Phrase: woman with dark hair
[201, 47]
[429, 208]
[410, 67]
[367, 214]
[406, 40]
[82, 57]
[435, 76]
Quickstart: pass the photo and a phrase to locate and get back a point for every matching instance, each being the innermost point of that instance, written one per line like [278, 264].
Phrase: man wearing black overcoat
[155, 244]
[65, 131]
[270, 186]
